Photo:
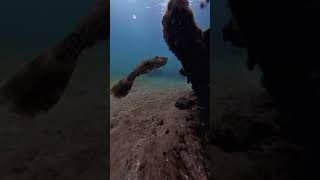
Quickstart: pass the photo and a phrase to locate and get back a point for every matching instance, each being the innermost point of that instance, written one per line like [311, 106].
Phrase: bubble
[134, 17]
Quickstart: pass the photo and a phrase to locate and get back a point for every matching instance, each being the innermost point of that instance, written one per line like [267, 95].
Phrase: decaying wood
[190, 45]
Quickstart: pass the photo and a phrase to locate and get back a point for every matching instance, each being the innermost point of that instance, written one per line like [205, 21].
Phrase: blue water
[136, 34]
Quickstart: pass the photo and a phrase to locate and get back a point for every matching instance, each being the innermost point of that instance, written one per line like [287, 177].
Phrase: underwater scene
[153, 109]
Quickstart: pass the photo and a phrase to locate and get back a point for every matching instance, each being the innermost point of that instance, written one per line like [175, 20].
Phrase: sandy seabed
[152, 139]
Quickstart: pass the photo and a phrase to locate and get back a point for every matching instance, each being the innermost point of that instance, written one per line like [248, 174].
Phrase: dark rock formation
[184, 103]
[190, 45]
[122, 88]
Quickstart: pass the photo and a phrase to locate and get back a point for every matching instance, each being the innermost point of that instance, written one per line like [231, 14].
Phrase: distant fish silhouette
[204, 3]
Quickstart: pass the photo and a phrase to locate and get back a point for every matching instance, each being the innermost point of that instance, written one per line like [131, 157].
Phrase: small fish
[204, 3]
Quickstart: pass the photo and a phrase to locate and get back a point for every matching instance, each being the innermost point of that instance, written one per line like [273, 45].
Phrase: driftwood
[122, 88]
[190, 45]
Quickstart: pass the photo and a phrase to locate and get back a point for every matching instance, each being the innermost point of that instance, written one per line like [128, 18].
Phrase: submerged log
[122, 88]
[190, 45]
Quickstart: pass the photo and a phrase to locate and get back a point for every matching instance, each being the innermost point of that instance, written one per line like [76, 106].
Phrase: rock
[60, 131]
[190, 117]
[159, 122]
[184, 103]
